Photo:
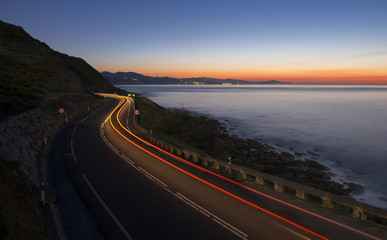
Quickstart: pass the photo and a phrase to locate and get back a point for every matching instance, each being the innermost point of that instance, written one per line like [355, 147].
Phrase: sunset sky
[298, 41]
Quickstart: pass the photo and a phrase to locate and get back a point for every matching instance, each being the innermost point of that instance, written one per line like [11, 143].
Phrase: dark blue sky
[294, 40]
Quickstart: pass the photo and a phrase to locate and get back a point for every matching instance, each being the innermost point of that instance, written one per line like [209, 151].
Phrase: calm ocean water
[343, 127]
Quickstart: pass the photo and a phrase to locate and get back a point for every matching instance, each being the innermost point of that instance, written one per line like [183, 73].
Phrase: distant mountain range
[132, 78]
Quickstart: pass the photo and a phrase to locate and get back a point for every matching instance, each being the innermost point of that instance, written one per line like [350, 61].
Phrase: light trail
[203, 181]
[241, 185]
[178, 195]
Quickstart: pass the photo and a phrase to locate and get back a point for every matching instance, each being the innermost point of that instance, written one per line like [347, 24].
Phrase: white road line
[215, 218]
[107, 119]
[192, 204]
[72, 150]
[155, 178]
[111, 146]
[160, 182]
[198, 206]
[123, 230]
[127, 159]
[306, 211]
[114, 149]
[87, 117]
[75, 129]
[72, 143]
[231, 230]
[204, 213]
[231, 226]
[92, 114]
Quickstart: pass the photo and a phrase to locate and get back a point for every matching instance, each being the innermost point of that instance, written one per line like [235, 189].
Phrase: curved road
[137, 191]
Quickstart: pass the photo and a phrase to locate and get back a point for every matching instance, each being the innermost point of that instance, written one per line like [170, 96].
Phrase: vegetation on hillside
[32, 75]
[31, 71]
[19, 218]
[180, 127]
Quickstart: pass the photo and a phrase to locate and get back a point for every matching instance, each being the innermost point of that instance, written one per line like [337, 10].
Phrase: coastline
[339, 124]
[218, 142]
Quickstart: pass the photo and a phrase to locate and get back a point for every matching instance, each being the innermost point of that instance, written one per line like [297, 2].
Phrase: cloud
[373, 54]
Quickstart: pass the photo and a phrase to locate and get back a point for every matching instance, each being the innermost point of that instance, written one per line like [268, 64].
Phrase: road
[136, 191]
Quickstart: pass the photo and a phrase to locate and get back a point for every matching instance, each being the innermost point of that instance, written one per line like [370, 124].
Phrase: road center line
[194, 205]
[72, 150]
[120, 107]
[215, 218]
[123, 230]
[239, 184]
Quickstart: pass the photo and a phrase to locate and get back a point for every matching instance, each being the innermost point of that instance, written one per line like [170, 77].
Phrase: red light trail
[201, 180]
[121, 106]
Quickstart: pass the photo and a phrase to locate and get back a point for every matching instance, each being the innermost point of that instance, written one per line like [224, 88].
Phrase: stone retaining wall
[23, 136]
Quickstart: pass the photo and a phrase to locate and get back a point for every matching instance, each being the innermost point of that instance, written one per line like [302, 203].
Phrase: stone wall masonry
[338, 203]
[23, 135]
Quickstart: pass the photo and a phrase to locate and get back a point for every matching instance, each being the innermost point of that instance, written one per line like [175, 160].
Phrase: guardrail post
[300, 193]
[278, 186]
[358, 213]
[178, 151]
[216, 166]
[205, 162]
[242, 175]
[259, 180]
[42, 193]
[327, 202]
[228, 169]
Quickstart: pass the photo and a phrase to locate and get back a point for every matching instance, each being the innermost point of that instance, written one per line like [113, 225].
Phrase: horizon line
[309, 81]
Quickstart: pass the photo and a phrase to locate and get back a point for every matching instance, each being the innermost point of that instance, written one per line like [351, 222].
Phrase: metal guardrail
[325, 199]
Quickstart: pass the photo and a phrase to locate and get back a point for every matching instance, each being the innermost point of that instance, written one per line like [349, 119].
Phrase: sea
[343, 127]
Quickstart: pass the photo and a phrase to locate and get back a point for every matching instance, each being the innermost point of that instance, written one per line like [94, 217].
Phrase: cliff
[34, 82]
[31, 71]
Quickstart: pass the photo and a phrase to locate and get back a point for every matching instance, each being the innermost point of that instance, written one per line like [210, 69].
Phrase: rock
[286, 157]
[313, 154]
[313, 164]
[355, 188]
[299, 154]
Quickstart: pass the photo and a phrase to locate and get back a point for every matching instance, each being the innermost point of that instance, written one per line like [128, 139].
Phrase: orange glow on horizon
[349, 76]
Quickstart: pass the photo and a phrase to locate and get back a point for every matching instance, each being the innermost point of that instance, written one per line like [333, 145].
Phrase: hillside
[31, 71]
[132, 78]
[34, 82]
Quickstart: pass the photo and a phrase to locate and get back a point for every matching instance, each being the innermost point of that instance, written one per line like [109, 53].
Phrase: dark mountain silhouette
[132, 78]
[31, 71]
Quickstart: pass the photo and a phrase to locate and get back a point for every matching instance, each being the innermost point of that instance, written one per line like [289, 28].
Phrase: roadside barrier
[325, 199]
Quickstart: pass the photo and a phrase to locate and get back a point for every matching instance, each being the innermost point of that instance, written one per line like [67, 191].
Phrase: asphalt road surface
[136, 191]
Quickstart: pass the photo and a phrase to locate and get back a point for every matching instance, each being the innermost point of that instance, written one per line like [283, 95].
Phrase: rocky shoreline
[268, 159]
[212, 137]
